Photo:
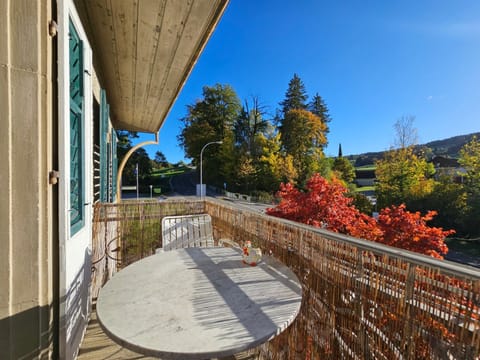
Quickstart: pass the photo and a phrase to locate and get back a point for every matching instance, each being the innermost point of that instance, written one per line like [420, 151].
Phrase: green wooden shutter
[114, 165]
[104, 115]
[77, 182]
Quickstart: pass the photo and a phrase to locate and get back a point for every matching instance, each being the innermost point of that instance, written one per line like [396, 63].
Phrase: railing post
[408, 345]
[359, 310]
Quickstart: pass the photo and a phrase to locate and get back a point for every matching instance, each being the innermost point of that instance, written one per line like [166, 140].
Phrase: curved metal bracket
[124, 162]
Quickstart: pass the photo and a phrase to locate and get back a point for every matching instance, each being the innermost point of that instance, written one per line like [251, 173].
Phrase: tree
[210, 119]
[140, 157]
[124, 142]
[325, 204]
[361, 202]
[344, 169]
[160, 159]
[274, 167]
[295, 97]
[246, 174]
[319, 108]
[409, 231]
[402, 176]
[303, 137]
[406, 133]
[449, 199]
[249, 124]
[470, 161]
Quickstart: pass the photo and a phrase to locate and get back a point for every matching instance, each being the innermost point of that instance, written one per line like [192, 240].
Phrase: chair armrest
[228, 243]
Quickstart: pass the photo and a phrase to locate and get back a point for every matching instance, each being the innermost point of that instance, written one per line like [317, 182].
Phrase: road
[185, 185]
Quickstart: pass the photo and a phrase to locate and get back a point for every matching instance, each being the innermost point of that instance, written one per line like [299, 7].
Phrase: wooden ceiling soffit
[144, 51]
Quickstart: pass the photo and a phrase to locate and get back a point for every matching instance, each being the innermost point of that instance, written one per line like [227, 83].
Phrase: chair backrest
[187, 231]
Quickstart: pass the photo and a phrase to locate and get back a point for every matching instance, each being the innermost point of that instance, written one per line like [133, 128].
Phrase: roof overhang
[144, 50]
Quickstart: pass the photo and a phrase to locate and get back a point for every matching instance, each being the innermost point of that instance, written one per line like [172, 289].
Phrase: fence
[361, 300]
[126, 232]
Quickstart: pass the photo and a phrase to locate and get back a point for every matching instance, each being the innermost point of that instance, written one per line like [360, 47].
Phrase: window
[108, 153]
[77, 186]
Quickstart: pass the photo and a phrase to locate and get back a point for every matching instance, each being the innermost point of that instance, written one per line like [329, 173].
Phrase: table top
[198, 303]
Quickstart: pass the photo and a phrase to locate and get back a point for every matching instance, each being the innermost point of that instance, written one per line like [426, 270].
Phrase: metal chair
[186, 231]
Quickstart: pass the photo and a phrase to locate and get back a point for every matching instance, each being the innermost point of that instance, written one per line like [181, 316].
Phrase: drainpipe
[124, 162]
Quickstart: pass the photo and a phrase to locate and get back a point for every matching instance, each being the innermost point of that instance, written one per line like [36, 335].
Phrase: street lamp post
[201, 164]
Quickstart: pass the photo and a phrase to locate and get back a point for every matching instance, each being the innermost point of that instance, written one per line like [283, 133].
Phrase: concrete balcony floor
[98, 346]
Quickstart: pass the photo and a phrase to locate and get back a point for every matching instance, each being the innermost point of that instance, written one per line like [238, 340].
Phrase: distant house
[71, 72]
[450, 167]
[365, 177]
[444, 162]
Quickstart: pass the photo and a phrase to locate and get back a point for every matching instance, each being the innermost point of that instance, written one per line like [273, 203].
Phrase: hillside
[447, 147]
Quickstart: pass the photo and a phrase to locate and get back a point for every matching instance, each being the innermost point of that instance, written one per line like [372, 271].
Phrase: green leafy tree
[249, 124]
[228, 166]
[140, 157]
[470, 161]
[303, 137]
[344, 169]
[124, 142]
[402, 176]
[274, 166]
[457, 202]
[361, 202]
[449, 199]
[210, 119]
[246, 174]
[160, 159]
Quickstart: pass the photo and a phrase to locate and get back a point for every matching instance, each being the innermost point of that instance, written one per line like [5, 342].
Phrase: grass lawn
[160, 178]
[169, 172]
[365, 188]
[366, 168]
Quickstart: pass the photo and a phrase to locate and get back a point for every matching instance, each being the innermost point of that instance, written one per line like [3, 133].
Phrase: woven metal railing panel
[126, 232]
[362, 302]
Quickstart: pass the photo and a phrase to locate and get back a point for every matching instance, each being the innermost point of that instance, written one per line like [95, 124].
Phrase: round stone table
[198, 303]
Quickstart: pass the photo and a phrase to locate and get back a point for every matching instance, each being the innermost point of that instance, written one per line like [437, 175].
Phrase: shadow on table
[248, 304]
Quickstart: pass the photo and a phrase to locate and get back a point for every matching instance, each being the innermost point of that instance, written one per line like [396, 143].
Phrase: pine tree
[319, 108]
[295, 97]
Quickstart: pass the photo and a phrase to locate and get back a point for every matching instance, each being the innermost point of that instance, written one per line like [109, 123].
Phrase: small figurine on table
[251, 255]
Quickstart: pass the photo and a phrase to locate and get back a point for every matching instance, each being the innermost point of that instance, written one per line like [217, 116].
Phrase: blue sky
[371, 61]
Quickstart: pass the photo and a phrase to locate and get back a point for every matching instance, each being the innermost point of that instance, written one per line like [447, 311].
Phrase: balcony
[361, 300]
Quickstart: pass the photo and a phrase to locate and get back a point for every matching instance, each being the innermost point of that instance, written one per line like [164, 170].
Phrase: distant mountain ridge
[449, 147]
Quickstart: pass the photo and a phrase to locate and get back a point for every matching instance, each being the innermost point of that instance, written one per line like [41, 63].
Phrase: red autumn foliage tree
[322, 205]
[325, 205]
[406, 230]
